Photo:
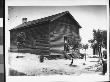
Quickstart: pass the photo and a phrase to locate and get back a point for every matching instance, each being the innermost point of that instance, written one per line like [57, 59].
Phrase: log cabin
[46, 36]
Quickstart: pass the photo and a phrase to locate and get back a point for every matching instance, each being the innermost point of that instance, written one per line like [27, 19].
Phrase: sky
[89, 17]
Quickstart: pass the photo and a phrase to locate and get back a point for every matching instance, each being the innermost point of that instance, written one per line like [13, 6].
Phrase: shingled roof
[46, 19]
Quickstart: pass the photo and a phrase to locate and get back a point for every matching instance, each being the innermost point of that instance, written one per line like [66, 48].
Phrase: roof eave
[28, 25]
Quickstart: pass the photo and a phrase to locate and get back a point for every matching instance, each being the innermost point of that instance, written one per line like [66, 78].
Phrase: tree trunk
[94, 51]
[99, 52]
[71, 61]
[85, 54]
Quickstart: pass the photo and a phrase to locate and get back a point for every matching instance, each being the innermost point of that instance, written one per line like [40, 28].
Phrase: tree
[75, 43]
[21, 37]
[99, 40]
[104, 39]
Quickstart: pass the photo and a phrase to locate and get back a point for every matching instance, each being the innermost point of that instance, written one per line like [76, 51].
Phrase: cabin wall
[59, 28]
[67, 21]
[35, 35]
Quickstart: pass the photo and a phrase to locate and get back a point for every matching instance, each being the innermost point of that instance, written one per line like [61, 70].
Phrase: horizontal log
[42, 44]
[57, 51]
[60, 44]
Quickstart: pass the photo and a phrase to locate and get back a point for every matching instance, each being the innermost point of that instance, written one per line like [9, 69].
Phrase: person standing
[104, 64]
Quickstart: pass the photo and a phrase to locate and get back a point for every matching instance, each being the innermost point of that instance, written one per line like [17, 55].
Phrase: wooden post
[85, 54]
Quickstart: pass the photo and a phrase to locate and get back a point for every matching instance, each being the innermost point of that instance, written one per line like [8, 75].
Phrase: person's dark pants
[104, 68]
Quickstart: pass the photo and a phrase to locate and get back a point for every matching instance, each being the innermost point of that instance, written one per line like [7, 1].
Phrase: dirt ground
[29, 65]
